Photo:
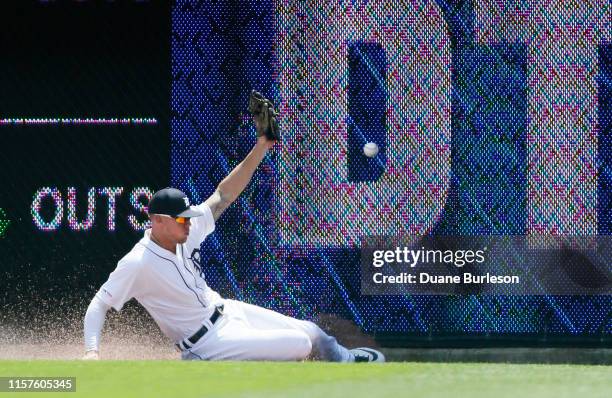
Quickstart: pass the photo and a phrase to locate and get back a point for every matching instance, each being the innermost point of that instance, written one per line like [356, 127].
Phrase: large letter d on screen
[318, 204]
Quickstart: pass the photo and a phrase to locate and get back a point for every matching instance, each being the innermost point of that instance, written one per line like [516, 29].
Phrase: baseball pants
[249, 332]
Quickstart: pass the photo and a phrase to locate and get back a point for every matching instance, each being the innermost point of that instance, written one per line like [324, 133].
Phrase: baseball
[370, 149]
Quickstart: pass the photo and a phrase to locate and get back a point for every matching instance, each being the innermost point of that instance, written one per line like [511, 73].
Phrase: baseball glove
[264, 115]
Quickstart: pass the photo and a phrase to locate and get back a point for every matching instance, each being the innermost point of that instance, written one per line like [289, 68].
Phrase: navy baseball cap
[172, 202]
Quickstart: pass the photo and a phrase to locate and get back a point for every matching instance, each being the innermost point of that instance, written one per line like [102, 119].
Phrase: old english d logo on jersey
[196, 260]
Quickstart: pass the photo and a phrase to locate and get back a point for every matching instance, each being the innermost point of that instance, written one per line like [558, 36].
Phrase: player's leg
[236, 340]
[324, 346]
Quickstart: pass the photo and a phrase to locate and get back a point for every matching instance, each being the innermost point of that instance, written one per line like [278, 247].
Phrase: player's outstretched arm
[93, 323]
[268, 132]
[232, 186]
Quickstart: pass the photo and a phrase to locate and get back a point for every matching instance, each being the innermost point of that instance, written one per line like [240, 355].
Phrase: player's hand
[265, 117]
[91, 355]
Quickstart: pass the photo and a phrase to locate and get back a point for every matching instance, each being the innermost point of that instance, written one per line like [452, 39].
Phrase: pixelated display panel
[84, 126]
[495, 117]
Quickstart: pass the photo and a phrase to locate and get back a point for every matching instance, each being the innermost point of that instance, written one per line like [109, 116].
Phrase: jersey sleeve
[202, 226]
[122, 284]
[93, 323]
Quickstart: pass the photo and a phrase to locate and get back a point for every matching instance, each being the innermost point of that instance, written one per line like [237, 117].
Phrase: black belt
[190, 341]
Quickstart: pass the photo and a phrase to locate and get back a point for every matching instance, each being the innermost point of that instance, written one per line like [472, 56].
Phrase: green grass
[116, 379]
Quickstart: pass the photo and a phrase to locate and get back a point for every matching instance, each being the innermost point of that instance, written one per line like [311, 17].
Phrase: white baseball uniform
[172, 289]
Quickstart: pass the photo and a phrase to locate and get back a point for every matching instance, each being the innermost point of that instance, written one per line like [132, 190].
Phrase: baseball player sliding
[162, 272]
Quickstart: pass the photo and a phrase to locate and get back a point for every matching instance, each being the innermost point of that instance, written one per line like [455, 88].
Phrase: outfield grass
[116, 379]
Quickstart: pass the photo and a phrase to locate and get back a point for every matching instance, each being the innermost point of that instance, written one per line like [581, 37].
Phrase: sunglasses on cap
[180, 220]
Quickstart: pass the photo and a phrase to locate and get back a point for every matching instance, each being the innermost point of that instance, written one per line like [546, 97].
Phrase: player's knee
[313, 330]
[303, 346]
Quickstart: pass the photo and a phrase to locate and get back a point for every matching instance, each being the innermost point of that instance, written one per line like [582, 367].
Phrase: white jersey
[170, 286]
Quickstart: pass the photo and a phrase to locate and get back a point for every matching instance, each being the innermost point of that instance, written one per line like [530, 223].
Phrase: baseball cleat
[363, 354]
